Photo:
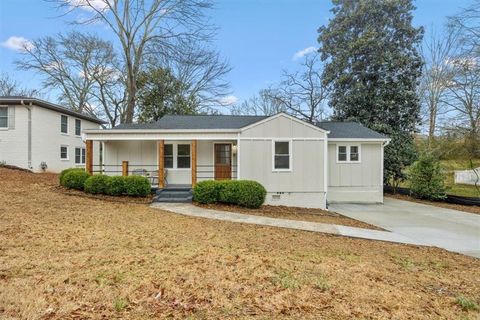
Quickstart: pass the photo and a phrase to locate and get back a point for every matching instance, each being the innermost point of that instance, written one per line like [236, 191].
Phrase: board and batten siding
[304, 184]
[356, 182]
[46, 139]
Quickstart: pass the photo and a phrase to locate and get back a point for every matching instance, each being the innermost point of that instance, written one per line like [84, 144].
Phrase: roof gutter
[116, 131]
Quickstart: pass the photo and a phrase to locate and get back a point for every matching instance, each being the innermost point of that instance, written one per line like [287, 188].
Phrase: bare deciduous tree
[436, 75]
[302, 93]
[261, 104]
[11, 87]
[140, 26]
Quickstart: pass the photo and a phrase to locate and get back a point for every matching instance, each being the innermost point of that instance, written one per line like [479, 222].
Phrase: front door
[223, 161]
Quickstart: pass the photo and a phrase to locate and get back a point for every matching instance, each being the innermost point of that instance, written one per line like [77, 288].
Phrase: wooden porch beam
[124, 168]
[194, 163]
[161, 164]
[89, 156]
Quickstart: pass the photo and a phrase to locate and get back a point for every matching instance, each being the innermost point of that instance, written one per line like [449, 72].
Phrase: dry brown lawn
[70, 257]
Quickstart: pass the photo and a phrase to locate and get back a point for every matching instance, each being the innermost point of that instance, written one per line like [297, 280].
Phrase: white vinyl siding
[3, 117]
[63, 124]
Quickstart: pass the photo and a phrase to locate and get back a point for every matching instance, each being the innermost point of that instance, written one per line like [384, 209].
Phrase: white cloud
[229, 100]
[304, 52]
[90, 5]
[17, 43]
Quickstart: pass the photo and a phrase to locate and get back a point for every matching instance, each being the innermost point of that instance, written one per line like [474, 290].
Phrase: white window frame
[177, 157]
[83, 152]
[348, 146]
[290, 155]
[75, 129]
[68, 153]
[61, 117]
[8, 118]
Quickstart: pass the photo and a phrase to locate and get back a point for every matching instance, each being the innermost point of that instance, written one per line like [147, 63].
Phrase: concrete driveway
[452, 230]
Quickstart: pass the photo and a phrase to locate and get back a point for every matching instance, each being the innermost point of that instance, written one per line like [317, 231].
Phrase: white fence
[467, 176]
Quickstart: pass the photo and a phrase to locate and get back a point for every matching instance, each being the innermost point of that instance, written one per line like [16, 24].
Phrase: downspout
[29, 132]
[384, 144]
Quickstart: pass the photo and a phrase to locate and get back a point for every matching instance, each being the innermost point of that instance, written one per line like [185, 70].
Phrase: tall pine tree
[373, 69]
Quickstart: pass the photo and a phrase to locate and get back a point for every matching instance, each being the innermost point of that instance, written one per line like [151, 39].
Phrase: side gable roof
[349, 130]
[195, 122]
[17, 100]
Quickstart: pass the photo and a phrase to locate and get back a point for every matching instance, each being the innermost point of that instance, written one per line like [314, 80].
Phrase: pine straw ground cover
[65, 257]
[293, 213]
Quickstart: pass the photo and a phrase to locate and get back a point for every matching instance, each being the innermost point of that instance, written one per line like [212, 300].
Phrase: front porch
[167, 164]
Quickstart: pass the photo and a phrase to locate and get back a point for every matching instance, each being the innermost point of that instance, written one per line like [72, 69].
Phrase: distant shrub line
[245, 193]
[78, 179]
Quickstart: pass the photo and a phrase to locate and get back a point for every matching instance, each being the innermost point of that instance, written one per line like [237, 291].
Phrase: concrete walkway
[452, 230]
[189, 209]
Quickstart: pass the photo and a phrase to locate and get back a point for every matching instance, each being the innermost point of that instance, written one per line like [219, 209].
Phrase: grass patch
[286, 280]
[120, 304]
[467, 304]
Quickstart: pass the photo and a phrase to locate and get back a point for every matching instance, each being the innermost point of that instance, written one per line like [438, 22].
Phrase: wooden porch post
[124, 168]
[89, 156]
[194, 163]
[161, 164]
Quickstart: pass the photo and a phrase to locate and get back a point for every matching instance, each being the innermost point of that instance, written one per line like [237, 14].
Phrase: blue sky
[258, 37]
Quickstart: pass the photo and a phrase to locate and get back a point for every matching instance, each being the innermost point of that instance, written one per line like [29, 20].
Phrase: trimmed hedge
[116, 186]
[74, 179]
[137, 186]
[64, 172]
[245, 193]
[97, 184]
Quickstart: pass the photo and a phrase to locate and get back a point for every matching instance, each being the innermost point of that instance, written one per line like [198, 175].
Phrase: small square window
[64, 152]
[183, 156]
[3, 117]
[168, 156]
[64, 124]
[78, 127]
[281, 155]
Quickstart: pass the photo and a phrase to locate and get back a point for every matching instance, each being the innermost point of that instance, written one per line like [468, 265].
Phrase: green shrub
[64, 172]
[116, 186]
[137, 186]
[97, 184]
[75, 179]
[245, 193]
[206, 191]
[426, 178]
[251, 194]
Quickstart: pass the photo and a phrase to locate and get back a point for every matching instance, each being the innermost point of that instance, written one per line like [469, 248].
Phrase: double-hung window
[183, 156]
[348, 153]
[79, 155]
[168, 156]
[63, 152]
[78, 127]
[3, 117]
[63, 124]
[282, 156]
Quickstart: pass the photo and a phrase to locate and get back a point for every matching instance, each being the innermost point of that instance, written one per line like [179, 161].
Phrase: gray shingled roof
[16, 100]
[349, 130]
[196, 122]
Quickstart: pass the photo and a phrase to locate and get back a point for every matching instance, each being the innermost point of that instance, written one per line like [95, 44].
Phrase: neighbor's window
[3, 117]
[80, 155]
[64, 152]
[348, 153]
[78, 127]
[281, 159]
[64, 124]
[168, 156]
[183, 156]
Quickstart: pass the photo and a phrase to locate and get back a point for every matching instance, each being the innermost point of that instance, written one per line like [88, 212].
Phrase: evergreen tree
[373, 69]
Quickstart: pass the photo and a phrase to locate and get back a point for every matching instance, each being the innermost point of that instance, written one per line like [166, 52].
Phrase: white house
[42, 136]
[299, 164]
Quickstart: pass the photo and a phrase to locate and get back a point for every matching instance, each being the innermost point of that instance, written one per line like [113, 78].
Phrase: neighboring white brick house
[34, 133]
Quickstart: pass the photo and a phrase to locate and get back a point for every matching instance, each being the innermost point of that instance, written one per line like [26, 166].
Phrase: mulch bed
[470, 209]
[293, 213]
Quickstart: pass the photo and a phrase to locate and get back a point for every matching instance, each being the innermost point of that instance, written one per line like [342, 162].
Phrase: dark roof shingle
[349, 130]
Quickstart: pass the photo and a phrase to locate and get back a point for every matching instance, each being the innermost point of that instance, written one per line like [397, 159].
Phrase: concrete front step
[180, 195]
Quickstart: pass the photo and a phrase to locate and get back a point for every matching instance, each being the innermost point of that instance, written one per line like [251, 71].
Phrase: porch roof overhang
[159, 134]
